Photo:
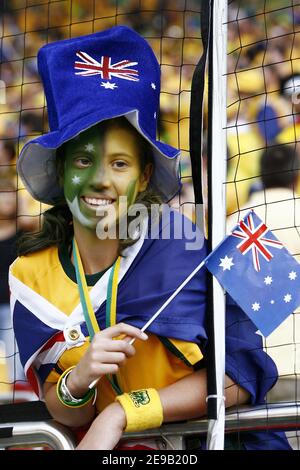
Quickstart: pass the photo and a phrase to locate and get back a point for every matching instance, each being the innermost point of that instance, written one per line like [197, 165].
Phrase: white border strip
[219, 165]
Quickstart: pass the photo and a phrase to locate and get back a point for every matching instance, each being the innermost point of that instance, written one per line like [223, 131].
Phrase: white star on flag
[89, 147]
[76, 179]
[292, 275]
[154, 115]
[255, 306]
[109, 86]
[272, 302]
[226, 263]
[268, 280]
[287, 298]
[153, 86]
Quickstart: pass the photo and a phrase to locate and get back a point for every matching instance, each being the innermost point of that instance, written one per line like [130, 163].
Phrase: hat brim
[37, 169]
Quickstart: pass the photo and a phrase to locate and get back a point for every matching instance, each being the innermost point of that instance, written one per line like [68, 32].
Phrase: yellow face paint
[132, 192]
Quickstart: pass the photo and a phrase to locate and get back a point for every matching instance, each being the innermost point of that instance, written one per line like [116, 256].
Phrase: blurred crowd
[263, 90]
[263, 94]
[263, 130]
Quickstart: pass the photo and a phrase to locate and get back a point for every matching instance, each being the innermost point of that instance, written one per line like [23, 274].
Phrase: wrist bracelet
[143, 409]
[66, 398]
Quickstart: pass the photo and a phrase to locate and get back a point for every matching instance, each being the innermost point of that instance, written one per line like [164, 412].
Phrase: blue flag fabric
[258, 272]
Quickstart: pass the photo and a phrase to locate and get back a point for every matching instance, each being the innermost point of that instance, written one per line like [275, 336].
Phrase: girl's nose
[100, 178]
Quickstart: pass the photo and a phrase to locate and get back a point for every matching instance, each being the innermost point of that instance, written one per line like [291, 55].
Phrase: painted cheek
[131, 191]
[74, 183]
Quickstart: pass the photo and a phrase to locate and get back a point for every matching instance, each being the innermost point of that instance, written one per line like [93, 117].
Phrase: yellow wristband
[143, 409]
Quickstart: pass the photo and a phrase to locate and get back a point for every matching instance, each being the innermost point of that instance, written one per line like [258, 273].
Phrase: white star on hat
[109, 86]
[153, 86]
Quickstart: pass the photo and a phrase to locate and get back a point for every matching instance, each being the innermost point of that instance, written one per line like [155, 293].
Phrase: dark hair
[57, 226]
[279, 167]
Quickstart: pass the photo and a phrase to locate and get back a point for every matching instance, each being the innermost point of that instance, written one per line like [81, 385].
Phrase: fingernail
[144, 336]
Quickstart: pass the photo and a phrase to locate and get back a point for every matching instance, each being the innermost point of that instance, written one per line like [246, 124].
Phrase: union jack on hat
[87, 80]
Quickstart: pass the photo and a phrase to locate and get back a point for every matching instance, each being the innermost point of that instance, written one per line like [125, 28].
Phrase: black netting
[263, 119]
[263, 149]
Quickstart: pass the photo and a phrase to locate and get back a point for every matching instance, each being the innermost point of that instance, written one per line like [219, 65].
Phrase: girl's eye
[82, 162]
[119, 164]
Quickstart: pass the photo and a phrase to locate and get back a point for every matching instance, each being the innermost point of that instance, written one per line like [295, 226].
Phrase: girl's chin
[107, 228]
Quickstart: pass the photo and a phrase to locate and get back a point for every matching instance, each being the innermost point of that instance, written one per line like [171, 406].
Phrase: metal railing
[284, 416]
[37, 433]
[281, 416]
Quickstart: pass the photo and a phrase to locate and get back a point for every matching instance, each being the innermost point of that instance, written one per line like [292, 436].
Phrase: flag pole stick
[162, 308]
[176, 292]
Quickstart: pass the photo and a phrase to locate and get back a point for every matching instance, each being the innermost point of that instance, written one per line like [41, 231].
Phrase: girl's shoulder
[35, 264]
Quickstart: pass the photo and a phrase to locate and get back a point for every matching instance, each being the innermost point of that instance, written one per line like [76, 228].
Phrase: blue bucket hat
[90, 79]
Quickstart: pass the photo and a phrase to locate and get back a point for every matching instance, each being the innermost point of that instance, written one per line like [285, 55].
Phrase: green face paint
[99, 168]
[81, 163]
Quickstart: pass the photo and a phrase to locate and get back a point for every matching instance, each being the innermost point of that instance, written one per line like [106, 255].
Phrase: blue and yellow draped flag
[258, 272]
[151, 271]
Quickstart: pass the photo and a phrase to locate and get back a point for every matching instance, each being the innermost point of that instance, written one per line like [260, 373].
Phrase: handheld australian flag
[258, 272]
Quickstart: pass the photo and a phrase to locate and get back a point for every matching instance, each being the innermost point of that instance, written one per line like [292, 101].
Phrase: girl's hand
[106, 429]
[104, 356]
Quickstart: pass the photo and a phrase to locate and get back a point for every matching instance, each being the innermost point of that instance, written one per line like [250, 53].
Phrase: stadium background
[263, 53]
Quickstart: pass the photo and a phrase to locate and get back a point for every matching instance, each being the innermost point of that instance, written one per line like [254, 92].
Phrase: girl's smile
[96, 202]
